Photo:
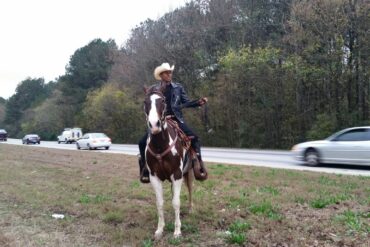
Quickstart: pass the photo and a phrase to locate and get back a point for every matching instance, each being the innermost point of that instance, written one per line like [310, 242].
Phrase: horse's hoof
[177, 234]
[158, 234]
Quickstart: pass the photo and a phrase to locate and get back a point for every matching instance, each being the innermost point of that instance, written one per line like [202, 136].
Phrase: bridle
[159, 156]
[160, 94]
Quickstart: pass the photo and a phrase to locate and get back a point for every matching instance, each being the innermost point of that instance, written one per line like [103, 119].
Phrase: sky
[38, 37]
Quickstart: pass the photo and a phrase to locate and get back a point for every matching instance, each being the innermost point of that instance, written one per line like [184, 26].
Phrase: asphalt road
[264, 158]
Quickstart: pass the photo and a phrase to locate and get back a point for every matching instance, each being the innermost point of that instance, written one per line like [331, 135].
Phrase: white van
[70, 135]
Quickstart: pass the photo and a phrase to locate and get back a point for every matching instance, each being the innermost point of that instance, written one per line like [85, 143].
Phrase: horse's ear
[145, 88]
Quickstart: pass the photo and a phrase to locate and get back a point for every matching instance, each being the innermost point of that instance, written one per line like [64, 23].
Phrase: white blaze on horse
[166, 156]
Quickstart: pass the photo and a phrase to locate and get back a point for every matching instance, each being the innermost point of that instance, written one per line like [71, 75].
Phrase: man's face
[166, 76]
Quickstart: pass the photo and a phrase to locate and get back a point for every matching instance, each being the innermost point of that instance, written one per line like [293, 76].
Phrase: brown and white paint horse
[165, 157]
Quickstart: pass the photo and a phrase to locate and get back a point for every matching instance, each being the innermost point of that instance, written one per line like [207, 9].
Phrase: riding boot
[144, 173]
[203, 170]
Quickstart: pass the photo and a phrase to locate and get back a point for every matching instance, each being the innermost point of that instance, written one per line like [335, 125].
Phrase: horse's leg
[157, 186]
[176, 205]
[189, 177]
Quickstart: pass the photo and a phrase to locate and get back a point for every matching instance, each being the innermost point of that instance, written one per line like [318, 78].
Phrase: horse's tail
[189, 178]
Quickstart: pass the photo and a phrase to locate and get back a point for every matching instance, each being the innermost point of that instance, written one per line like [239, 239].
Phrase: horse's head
[155, 108]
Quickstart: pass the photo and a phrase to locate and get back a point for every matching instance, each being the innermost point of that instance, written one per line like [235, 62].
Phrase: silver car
[94, 141]
[349, 146]
[31, 138]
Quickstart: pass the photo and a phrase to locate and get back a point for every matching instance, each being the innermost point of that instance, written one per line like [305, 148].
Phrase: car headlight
[294, 148]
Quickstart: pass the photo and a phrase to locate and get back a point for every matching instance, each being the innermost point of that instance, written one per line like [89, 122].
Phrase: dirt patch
[105, 205]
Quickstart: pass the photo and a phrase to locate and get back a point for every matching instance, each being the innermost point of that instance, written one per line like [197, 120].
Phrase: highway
[262, 158]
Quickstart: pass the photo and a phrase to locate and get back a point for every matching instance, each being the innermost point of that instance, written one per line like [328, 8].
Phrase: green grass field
[105, 205]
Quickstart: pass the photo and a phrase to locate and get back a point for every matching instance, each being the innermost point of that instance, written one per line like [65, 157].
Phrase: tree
[110, 109]
[2, 110]
[49, 118]
[28, 94]
[327, 39]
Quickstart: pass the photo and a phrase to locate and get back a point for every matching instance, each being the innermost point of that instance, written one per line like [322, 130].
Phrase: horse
[167, 158]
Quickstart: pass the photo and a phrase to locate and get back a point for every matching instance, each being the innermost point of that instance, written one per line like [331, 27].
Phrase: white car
[70, 135]
[349, 146]
[94, 141]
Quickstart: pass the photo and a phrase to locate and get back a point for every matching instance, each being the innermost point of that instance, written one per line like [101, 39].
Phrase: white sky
[38, 37]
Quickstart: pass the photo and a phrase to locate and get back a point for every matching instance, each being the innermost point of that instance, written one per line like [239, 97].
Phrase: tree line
[275, 72]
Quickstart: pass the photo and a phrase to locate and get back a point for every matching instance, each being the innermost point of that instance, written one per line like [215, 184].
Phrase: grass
[114, 217]
[236, 233]
[105, 205]
[355, 221]
[267, 209]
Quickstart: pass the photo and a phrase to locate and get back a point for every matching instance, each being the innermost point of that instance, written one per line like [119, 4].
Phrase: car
[94, 141]
[31, 138]
[3, 135]
[349, 146]
[70, 135]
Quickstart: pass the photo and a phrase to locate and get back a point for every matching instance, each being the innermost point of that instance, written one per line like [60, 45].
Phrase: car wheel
[88, 146]
[312, 157]
[58, 142]
[106, 148]
[78, 146]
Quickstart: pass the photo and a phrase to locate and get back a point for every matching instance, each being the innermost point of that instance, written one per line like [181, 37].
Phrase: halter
[160, 156]
[160, 94]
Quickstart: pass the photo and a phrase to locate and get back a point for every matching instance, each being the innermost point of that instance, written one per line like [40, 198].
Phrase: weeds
[236, 233]
[240, 201]
[175, 241]
[299, 200]
[325, 200]
[147, 243]
[354, 221]
[114, 217]
[265, 208]
[324, 180]
[85, 199]
[269, 189]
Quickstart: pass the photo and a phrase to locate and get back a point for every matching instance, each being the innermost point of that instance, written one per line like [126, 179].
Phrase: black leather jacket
[179, 100]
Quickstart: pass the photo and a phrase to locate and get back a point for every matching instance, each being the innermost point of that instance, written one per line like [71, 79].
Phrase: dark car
[3, 135]
[31, 138]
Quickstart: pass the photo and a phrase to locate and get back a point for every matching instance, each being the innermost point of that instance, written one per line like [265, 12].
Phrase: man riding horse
[176, 99]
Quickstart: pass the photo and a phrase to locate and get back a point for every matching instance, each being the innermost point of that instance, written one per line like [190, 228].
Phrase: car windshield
[98, 135]
[334, 135]
[2, 131]
[33, 136]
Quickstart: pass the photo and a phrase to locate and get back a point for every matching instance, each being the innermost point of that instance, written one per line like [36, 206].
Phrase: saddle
[200, 172]
[185, 140]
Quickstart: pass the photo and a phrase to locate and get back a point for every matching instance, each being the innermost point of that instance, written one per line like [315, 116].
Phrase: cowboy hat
[162, 68]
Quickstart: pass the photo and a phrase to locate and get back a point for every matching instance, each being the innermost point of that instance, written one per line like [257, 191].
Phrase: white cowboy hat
[162, 68]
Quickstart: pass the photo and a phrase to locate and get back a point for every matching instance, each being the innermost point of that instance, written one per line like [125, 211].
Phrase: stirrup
[200, 171]
[144, 176]
[144, 173]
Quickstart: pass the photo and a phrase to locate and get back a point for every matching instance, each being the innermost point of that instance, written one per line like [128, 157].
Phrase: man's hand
[203, 100]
